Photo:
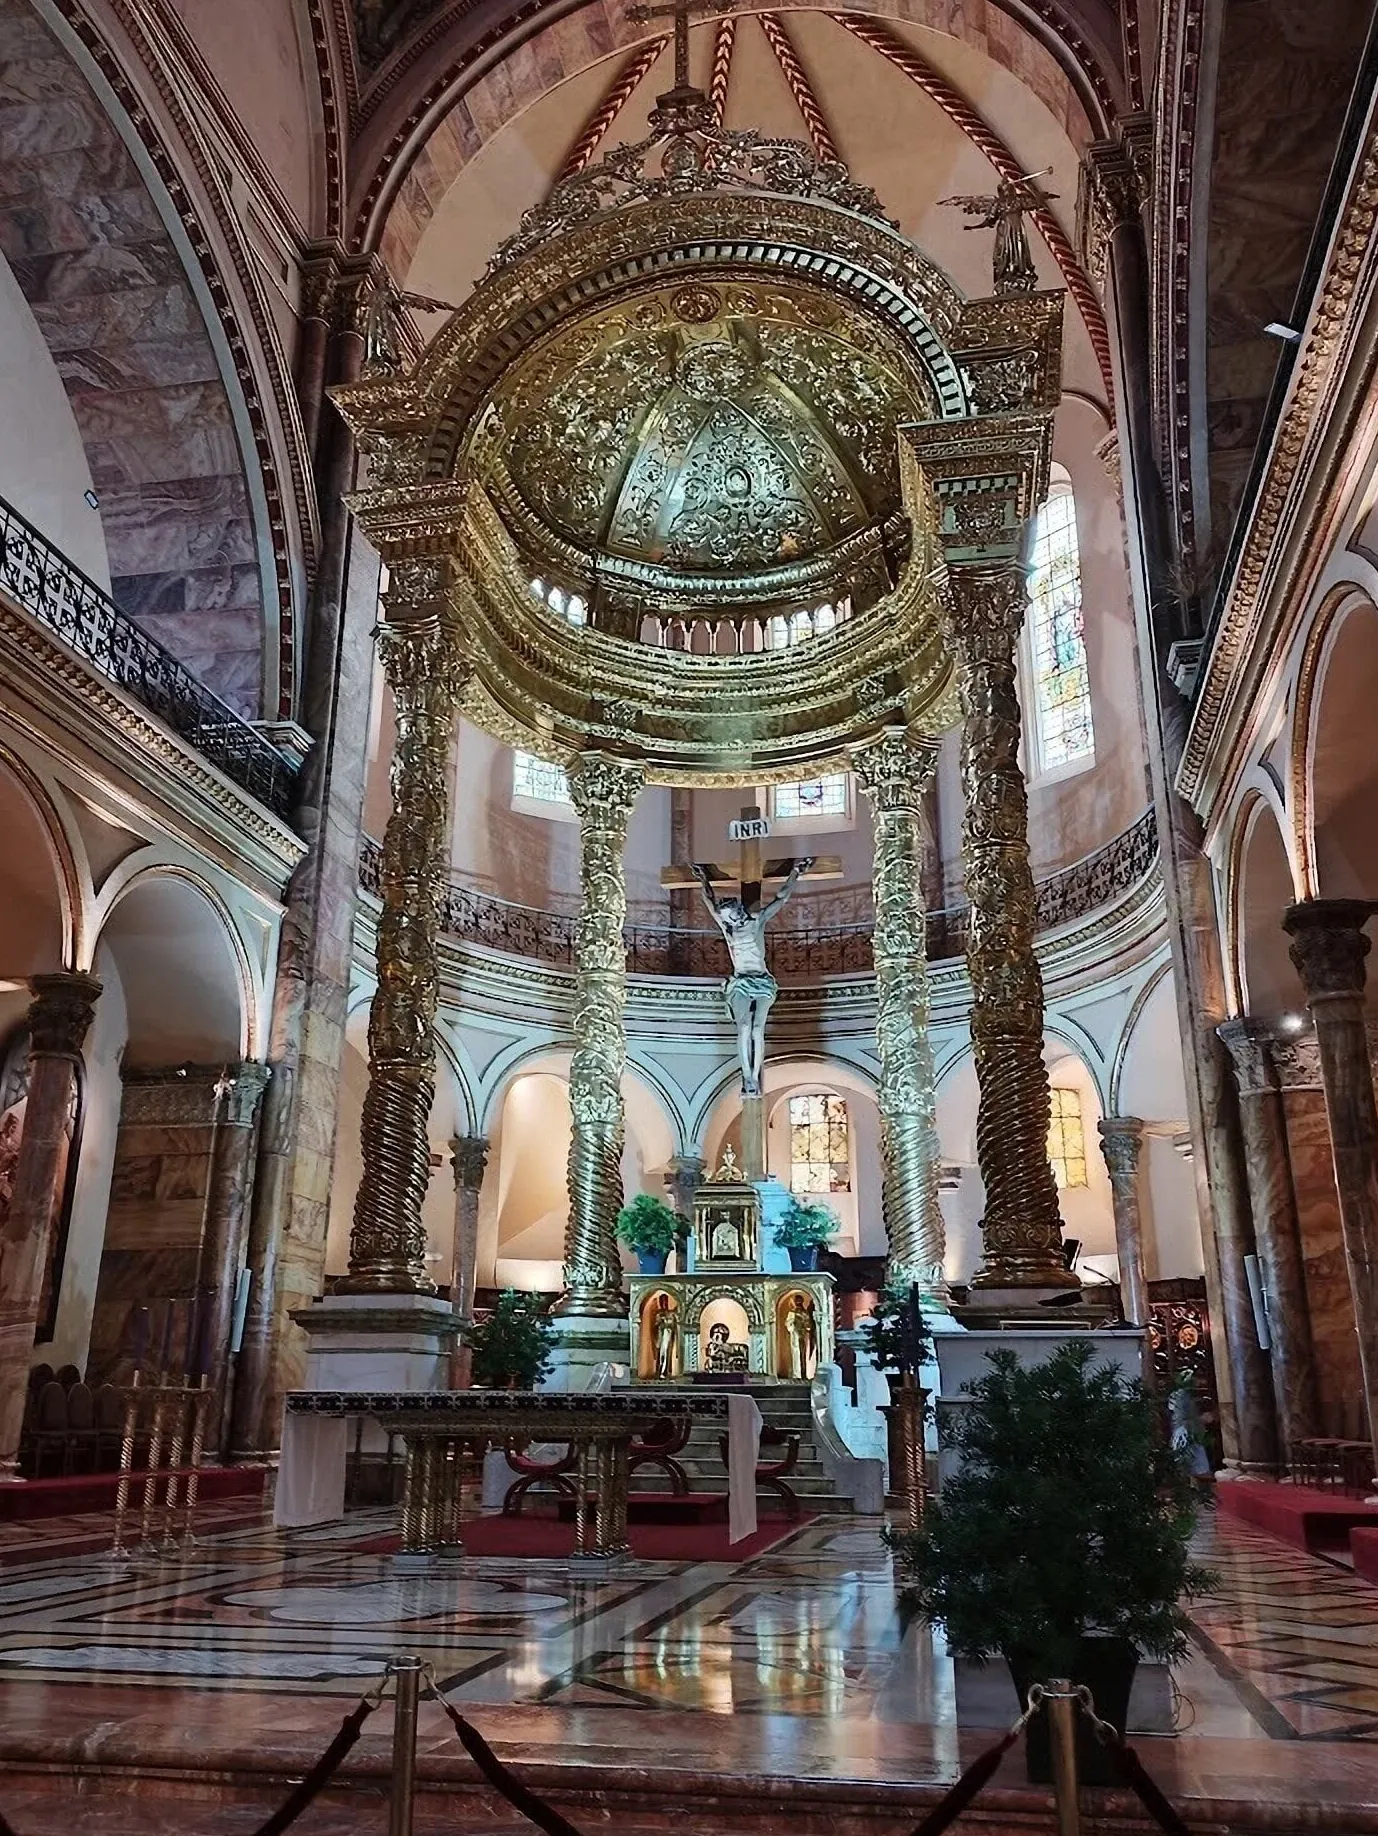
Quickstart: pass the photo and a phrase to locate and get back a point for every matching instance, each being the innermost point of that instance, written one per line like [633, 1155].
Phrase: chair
[50, 1427]
[80, 1451]
[67, 1375]
[658, 1447]
[538, 1472]
[771, 1473]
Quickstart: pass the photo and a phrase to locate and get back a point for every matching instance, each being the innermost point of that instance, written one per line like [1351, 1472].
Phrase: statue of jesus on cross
[742, 918]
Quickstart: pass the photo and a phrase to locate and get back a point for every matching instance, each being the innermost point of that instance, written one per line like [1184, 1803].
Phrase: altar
[737, 1309]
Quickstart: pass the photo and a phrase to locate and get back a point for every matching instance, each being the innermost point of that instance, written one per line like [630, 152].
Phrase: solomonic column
[1329, 947]
[894, 774]
[1121, 1146]
[426, 673]
[603, 790]
[1277, 1233]
[58, 1023]
[1022, 1229]
[469, 1158]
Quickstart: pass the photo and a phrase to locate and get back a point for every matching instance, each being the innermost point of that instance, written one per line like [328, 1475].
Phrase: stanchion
[406, 1672]
[1063, 1701]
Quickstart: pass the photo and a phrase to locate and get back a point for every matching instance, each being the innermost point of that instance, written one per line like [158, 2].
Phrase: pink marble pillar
[1329, 948]
[1277, 1233]
[225, 1240]
[59, 1020]
[469, 1158]
[1121, 1144]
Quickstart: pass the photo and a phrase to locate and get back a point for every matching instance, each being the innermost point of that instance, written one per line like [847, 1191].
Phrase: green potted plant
[1061, 1543]
[649, 1229]
[512, 1348]
[803, 1230]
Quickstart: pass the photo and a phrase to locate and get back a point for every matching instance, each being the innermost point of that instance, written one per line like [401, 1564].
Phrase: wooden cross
[751, 872]
[681, 11]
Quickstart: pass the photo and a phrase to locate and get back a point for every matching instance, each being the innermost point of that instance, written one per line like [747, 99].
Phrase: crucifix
[742, 918]
[681, 11]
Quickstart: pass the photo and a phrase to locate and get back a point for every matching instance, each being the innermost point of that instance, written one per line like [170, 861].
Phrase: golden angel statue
[1004, 212]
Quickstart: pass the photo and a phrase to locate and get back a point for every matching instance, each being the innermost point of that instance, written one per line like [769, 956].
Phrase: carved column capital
[1329, 946]
[895, 770]
[603, 790]
[242, 1089]
[1250, 1046]
[469, 1158]
[1115, 182]
[60, 1017]
[1121, 1145]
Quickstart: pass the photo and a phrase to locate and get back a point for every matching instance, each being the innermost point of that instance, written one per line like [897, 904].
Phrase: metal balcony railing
[817, 935]
[53, 590]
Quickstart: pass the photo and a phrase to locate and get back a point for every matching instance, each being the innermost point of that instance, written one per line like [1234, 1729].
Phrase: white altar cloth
[311, 1471]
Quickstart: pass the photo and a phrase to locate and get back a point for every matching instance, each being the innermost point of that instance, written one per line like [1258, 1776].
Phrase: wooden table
[436, 1426]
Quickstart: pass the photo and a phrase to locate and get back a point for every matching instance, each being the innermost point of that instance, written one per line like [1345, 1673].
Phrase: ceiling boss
[715, 479]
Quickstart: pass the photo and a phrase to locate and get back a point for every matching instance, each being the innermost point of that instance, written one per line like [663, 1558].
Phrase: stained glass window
[820, 1144]
[816, 797]
[538, 780]
[1061, 684]
[1067, 1139]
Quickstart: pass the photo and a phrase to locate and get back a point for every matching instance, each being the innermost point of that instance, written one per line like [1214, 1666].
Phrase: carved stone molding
[1330, 946]
[469, 1158]
[61, 1015]
[1121, 1145]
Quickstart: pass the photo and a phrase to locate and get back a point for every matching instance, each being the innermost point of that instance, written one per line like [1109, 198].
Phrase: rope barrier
[1132, 1769]
[324, 1769]
[534, 1809]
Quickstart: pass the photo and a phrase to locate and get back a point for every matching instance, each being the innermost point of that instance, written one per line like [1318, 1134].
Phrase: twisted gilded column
[1122, 1146]
[602, 790]
[58, 1022]
[894, 773]
[426, 673]
[1022, 1228]
[1329, 949]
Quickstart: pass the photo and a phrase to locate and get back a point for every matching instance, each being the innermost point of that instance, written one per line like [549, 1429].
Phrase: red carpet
[539, 1537]
[29, 1498]
[1297, 1514]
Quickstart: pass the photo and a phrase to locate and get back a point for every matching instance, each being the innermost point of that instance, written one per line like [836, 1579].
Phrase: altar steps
[784, 1406]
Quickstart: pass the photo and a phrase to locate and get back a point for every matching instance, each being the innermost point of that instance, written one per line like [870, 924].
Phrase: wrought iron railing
[54, 591]
[796, 952]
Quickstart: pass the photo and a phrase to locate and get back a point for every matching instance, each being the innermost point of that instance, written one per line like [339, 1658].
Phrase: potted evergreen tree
[897, 1338]
[803, 1230]
[649, 1229]
[512, 1347]
[1061, 1544]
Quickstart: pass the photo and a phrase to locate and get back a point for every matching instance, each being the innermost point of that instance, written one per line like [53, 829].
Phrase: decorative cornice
[1266, 595]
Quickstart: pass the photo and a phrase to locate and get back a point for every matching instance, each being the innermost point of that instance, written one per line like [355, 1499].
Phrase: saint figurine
[751, 988]
[801, 1332]
[664, 1336]
[722, 1354]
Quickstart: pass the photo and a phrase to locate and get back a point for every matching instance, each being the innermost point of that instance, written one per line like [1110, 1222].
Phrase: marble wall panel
[111, 297]
[153, 1233]
[1338, 1377]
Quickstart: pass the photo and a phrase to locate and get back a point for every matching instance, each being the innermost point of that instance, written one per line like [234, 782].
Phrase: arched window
[820, 1144]
[815, 802]
[1067, 1139]
[537, 781]
[1061, 689]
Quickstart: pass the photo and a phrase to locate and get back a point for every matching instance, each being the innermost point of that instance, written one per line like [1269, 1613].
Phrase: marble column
[225, 1238]
[1022, 1228]
[894, 773]
[469, 1159]
[59, 1020]
[603, 790]
[315, 960]
[1121, 1145]
[683, 1177]
[1329, 949]
[1277, 1230]
[426, 673]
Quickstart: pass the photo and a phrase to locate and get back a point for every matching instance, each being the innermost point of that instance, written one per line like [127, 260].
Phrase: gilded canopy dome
[708, 441]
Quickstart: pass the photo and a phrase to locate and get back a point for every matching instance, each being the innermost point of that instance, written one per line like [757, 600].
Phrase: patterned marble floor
[792, 1665]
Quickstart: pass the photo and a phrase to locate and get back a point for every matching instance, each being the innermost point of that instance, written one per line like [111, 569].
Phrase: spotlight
[1288, 333]
[92, 501]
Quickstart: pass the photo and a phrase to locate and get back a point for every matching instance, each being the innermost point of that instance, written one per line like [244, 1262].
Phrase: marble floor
[794, 1666]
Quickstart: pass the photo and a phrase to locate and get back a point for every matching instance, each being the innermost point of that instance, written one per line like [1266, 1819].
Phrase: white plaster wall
[43, 467]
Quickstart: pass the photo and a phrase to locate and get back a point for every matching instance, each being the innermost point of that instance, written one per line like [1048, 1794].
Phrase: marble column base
[378, 1341]
[582, 1345]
